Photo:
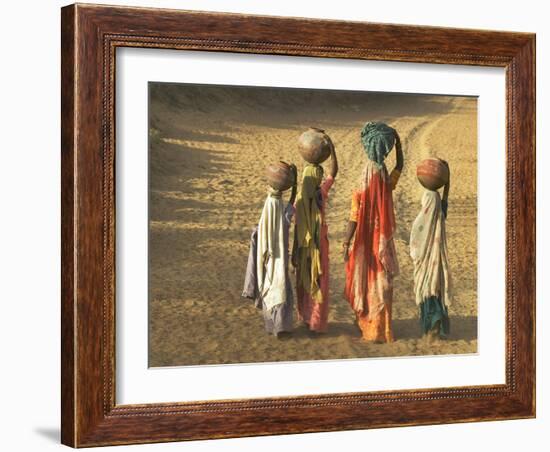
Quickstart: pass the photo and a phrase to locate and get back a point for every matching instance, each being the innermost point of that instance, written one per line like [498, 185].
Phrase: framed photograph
[281, 225]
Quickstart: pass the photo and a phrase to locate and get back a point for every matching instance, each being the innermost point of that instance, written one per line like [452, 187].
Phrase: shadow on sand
[462, 328]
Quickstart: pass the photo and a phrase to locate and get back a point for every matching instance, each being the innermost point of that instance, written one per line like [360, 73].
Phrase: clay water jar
[314, 145]
[432, 173]
[279, 176]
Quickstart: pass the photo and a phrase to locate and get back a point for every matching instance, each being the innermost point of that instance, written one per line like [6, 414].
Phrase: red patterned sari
[372, 263]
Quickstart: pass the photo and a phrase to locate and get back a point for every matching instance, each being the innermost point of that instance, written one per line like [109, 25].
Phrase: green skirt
[432, 311]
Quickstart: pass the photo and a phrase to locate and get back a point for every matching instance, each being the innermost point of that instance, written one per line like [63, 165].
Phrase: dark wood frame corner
[90, 36]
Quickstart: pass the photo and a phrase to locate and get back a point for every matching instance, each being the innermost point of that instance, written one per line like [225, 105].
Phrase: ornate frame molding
[90, 37]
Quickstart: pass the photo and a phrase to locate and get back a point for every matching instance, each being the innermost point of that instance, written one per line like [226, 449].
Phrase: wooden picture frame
[90, 36]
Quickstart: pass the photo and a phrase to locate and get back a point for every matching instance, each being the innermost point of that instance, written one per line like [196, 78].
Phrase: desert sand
[209, 147]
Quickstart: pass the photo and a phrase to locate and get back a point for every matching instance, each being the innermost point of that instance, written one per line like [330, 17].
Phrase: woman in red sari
[371, 262]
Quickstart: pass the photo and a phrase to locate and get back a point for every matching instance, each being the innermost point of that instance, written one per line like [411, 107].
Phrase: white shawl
[428, 246]
[271, 271]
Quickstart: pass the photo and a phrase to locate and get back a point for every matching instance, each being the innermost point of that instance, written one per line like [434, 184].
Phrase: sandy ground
[209, 147]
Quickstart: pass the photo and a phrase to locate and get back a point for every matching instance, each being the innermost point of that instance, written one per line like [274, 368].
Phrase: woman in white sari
[432, 277]
[267, 280]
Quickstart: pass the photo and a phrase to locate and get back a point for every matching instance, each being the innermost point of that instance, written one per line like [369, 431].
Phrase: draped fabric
[271, 253]
[313, 313]
[372, 263]
[278, 318]
[433, 312]
[428, 248]
[378, 140]
[308, 224]
[250, 288]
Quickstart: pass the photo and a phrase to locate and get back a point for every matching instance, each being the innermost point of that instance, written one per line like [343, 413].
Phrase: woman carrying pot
[310, 253]
[371, 261]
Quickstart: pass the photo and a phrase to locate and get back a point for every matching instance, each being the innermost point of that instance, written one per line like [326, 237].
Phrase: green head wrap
[378, 140]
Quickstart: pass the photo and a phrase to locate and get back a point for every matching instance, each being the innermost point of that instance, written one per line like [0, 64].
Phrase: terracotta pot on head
[432, 173]
[314, 145]
[279, 176]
